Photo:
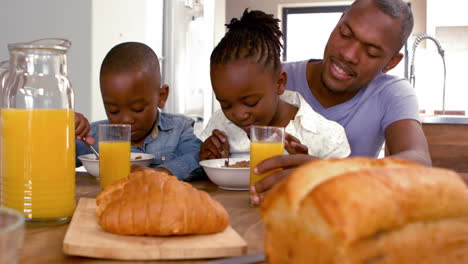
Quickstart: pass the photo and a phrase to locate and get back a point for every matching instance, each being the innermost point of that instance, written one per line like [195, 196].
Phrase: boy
[131, 91]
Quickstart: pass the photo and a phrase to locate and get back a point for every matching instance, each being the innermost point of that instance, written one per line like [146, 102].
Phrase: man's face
[248, 94]
[132, 98]
[364, 43]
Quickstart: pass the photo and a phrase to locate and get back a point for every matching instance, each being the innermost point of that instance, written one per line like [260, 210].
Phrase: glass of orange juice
[114, 152]
[265, 142]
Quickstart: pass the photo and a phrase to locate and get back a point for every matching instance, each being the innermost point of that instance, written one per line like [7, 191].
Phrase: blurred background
[184, 32]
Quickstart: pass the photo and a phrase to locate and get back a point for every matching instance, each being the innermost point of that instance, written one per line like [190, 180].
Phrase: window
[306, 30]
[448, 23]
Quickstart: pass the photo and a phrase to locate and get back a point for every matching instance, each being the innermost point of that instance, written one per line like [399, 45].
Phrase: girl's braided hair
[255, 36]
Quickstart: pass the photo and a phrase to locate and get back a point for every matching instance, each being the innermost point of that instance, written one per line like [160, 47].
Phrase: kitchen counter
[44, 244]
[444, 119]
[447, 138]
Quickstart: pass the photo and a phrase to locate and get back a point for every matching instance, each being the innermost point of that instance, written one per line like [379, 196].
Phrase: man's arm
[405, 139]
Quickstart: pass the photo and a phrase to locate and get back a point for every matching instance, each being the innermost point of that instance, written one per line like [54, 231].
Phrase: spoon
[226, 162]
[91, 148]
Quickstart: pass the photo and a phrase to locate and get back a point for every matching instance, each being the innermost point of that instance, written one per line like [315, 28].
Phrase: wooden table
[44, 244]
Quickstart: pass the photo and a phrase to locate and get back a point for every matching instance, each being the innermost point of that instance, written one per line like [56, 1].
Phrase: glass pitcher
[38, 133]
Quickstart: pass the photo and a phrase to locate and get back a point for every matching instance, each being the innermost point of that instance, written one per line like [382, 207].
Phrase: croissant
[367, 211]
[150, 202]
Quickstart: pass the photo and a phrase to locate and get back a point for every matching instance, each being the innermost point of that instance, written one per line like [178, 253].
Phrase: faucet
[441, 51]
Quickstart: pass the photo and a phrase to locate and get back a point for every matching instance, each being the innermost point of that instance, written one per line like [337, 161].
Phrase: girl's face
[248, 94]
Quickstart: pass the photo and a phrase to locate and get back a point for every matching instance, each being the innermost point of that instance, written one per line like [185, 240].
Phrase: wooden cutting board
[85, 237]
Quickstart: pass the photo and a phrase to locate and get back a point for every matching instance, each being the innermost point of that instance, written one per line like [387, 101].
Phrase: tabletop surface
[44, 244]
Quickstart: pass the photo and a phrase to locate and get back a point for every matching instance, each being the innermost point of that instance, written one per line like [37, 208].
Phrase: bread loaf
[154, 203]
[367, 211]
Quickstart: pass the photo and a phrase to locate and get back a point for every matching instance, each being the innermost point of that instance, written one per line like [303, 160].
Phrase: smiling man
[350, 86]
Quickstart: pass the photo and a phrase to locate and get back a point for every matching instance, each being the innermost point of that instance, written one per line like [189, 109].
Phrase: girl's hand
[293, 145]
[215, 147]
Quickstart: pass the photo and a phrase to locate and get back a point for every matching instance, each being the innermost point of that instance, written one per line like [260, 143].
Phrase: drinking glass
[11, 235]
[114, 152]
[265, 142]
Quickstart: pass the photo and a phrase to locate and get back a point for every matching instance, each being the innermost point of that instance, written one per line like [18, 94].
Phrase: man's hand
[215, 147]
[287, 163]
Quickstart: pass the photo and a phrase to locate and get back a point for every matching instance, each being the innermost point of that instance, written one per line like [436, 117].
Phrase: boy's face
[133, 97]
[248, 95]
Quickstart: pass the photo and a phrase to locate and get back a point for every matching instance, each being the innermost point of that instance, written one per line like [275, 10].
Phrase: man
[350, 86]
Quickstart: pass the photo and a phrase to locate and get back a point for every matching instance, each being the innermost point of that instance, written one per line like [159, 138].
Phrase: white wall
[234, 8]
[117, 21]
[219, 31]
[446, 13]
[93, 27]
[191, 34]
[26, 20]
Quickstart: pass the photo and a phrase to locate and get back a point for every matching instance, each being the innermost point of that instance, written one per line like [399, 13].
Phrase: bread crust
[150, 202]
[363, 210]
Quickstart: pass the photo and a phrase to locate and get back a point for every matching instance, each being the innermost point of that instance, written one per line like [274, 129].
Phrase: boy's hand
[287, 163]
[293, 145]
[215, 147]
[82, 128]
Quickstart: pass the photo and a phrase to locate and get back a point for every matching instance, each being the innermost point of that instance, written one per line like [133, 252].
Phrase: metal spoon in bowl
[226, 162]
[91, 148]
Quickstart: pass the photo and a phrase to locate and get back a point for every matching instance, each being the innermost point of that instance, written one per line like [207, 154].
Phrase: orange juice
[114, 161]
[38, 162]
[260, 151]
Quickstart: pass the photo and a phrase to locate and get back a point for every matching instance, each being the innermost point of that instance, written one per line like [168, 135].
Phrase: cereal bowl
[228, 178]
[91, 164]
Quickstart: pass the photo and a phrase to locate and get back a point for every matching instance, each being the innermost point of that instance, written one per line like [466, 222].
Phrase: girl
[249, 84]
